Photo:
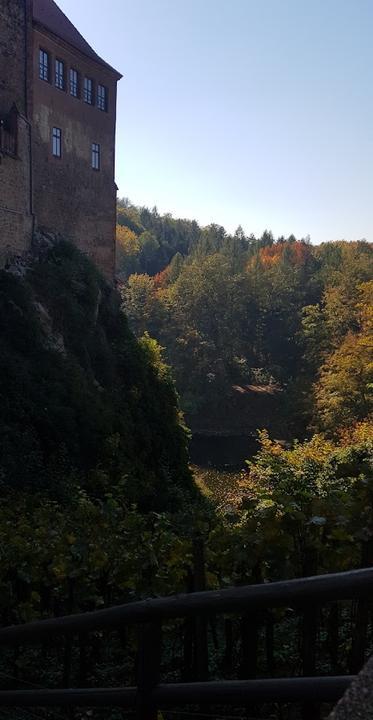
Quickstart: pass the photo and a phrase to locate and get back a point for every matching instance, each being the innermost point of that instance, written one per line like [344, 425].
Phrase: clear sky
[251, 112]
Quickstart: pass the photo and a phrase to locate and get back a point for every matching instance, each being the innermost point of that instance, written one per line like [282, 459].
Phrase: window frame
[57, 142]
[74, 83]
[96, 156]
[88, 94]
[59, 74]
[44, 65]
[102, 99]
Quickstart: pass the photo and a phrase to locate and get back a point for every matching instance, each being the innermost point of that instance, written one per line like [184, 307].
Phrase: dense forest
[272, 339]
[268, 338]
[260, 333]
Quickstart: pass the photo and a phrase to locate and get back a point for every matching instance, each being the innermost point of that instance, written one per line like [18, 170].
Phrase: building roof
[48, 14]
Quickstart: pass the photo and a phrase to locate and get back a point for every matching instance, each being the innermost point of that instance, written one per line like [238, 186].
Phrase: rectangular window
[60, 75]
[43, 65]
[74, 83]
[96, 159]
[88, 90]
[102, 103]
[56, 142]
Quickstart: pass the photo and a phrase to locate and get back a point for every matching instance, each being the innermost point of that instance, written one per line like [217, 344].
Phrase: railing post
[67, 663]
[310, 711]
[201, 658]
[67, 660]
[82, 659]
[148, 672]
[270, 644]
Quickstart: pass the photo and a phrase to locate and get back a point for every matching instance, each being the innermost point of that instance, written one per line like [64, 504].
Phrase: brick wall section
[12, 55]
[69, 196]
[63, 195]
[15, 172]
[16, 220]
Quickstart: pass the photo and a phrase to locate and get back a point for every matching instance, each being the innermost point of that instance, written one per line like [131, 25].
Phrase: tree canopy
[236, 311]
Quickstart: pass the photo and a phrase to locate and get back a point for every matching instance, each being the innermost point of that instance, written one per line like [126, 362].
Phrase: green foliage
[94, 449]
[227, 308]
[81, 400]
[84, 554]
[299, 511]
[344, 392]
[98, 506]
[143, 305]
[159, 238]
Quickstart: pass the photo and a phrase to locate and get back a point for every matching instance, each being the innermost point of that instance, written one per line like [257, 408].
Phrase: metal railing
[150, 694]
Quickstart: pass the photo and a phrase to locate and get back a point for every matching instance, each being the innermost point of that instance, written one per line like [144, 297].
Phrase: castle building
[57, 134]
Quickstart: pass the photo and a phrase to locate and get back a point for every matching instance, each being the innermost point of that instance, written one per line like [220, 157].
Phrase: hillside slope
[81, 401]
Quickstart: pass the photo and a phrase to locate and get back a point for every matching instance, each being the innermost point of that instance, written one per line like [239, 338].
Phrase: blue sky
[251, 112]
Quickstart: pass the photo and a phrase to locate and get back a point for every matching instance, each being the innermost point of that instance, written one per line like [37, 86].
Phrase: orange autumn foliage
[298, 253]
[161, 279]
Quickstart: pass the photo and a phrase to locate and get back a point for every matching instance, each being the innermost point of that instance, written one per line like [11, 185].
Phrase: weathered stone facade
[64, 194]
[16, 219]
[15, 25]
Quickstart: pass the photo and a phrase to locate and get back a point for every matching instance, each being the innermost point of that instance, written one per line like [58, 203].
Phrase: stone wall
[16, 220]
[63, 195]
[70, 197]
[12, 55]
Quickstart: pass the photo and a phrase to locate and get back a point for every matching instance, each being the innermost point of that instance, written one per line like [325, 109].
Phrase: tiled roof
[48, 14]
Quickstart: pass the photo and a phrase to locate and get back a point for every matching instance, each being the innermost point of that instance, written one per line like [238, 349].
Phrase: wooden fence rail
[150, 694]
[294, 593]
[234, 692]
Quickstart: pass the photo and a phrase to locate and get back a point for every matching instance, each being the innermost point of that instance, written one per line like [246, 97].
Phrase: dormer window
[43, 65]
[88, 91]
[74, 83]
[60, 75]
[102, 95]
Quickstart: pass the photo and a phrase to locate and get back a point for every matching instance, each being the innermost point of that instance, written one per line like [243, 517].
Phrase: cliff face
[81, 399]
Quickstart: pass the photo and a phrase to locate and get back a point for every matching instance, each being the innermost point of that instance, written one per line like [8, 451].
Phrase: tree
[144, 308]
[344, 392]
[149, 252]
[128, 251]
[314, 335]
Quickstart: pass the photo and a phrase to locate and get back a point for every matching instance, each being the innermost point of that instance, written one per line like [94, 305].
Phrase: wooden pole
[201, 661]
[310, 711]
[310, 625]
[270, 644]
[148, 672]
